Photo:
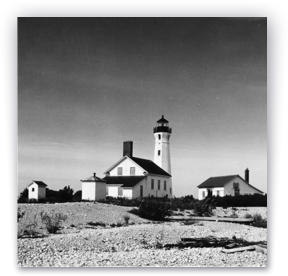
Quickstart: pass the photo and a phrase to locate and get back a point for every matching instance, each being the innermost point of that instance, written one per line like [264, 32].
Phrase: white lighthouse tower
[162, 133]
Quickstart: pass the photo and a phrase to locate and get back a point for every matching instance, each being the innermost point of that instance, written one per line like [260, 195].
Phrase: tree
[23, 198]
[66, 194]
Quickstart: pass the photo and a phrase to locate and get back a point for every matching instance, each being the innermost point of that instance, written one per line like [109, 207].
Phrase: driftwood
[220, 219]
[210, 241]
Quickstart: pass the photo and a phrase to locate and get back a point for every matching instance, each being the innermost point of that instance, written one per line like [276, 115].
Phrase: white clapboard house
[227, 185]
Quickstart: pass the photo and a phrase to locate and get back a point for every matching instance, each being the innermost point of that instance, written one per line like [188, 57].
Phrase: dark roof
[149, 166]
[162, 120]
[93, 178]
[220, 181]
[40, 183]
[127, 181]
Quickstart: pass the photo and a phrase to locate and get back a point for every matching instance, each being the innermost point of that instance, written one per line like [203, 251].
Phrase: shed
[37, 190]
[93, 188]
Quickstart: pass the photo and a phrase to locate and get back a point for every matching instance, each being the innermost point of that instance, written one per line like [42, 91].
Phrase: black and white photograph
[142, 142]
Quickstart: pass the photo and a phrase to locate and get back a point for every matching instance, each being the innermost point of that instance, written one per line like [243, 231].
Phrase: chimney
[128, 148]
[94, 175]
[247, 175]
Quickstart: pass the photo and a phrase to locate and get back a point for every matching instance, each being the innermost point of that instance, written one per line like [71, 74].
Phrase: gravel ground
[135, 245]
[79, 213]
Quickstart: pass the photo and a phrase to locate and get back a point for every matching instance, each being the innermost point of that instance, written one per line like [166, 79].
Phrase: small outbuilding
[93, 188]
[37, 190]
[232, 185]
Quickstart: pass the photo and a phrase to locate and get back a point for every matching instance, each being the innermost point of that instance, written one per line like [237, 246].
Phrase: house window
[119, 170]
[203, 194]
[152, 184]
[159, 185]
[236, 188]
[33, 189]
[159, 152]
[170, 191]
[164, 185]
[132, 170]
[159, 136]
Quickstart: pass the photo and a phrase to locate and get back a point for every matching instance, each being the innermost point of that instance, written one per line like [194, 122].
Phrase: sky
[85, 85]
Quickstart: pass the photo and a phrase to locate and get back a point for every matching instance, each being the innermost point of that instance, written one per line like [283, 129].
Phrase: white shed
[93, 188]
[37, 190]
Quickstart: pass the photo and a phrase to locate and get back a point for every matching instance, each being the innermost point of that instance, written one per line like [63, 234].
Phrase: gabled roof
[149, 166]
[218, 181]
[127, 181]
[145, 164]
[39, 183]
[221, 181]
[92, 178]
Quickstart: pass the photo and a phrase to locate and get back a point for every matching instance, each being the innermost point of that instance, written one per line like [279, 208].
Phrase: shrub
[121, 201]
[77, 197]
[241, 201]
[66, 194]
[258, 221]
[96, 223]
[204, 207]
[126, 219]
[23, 198]
[20, 214]
[247, 215]
[52, 222]
[29, 226]
[154, 209]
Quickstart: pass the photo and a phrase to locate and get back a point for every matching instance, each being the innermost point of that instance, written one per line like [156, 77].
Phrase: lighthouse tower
[162, 134]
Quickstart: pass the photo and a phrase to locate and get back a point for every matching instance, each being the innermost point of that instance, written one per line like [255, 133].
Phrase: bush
[256, 200]
[102, 224]
[52, 222]
[77, 197]
[204, 207]
[247, 215]
[20, 214]
[126, 219]
[258, 221]
[66, 194]
[154, 209]
[28, 225]
[23, 198]
[182, 203]
[121, 201]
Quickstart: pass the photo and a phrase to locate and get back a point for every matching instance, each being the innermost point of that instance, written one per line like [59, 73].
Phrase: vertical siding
[41, 192]
[100, 190]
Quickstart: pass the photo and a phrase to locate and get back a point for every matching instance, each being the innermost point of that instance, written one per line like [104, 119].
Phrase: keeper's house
[133, 177]
[227, 185]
